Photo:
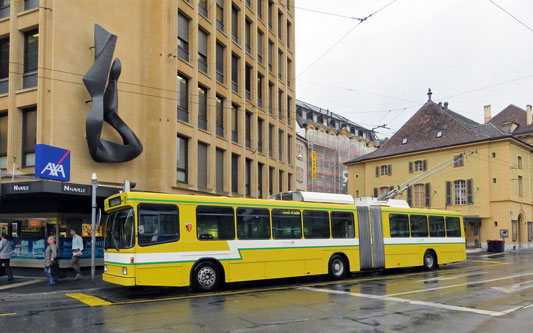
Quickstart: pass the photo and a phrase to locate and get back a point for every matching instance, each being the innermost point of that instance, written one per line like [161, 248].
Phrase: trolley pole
[94, 182]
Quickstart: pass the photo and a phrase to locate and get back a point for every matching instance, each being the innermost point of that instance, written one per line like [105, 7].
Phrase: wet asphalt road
[485, 293]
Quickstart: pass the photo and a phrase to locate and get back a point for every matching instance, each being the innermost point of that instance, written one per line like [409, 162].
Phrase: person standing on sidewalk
[50, 256]
[5, 256]
[77, 248]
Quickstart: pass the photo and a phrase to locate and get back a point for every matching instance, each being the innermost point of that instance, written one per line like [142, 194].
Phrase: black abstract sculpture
[105, 104]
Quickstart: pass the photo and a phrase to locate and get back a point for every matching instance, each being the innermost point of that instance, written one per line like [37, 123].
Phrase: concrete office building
[207, 86]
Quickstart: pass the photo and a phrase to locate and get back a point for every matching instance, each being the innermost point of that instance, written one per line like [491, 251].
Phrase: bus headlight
[124, 271]
[105, 268]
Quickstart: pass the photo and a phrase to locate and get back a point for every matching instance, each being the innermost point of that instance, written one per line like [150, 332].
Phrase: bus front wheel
[206, 276]
[430, 261]
[338, 267]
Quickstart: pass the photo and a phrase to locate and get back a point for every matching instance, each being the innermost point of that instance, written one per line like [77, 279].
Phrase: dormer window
[404, 141]
[439, 134]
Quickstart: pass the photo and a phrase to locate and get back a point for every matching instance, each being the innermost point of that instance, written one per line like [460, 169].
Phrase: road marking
[89, 300]
[491, 262]
[7, 314]
[516, 287]
[460, 285]
[422, 303]
[453, 277]
[20, 284]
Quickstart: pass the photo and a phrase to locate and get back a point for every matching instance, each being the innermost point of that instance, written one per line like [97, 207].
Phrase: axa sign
[52, 162]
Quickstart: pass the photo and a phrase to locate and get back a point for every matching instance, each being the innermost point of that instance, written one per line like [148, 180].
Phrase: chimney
[446, 106]
[487, 113]
[529, 114]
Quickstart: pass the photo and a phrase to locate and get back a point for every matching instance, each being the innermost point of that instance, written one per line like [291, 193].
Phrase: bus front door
[371, 246]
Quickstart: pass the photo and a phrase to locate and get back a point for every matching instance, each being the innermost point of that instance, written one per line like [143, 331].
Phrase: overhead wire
[511, 15]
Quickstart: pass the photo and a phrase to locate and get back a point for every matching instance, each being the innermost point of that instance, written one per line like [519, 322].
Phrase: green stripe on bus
[422, 213]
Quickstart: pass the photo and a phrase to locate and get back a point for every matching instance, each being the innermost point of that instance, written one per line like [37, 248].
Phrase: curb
[50, 294]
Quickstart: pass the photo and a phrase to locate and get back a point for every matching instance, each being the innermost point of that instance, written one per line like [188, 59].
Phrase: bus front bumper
[120, 280]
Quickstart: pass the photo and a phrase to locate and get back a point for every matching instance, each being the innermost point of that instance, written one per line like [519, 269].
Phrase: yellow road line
[89, 300]
[20, 284]
[7, 314]
[491, 262]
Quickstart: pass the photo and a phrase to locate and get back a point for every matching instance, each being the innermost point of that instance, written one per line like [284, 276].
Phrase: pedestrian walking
[77, 252]
[50, 256]
[5, 256]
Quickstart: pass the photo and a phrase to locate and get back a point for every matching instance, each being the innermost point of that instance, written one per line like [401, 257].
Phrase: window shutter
[425, 165]
[448, 193]
[202, 42]
[410, 167]
[409, 196]
[375, 192]
[428, 194]
[183, 27]
[389, 169]
[469, 192]
[377, 171]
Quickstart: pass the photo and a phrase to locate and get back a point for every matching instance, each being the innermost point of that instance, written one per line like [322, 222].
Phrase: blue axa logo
[52, 162]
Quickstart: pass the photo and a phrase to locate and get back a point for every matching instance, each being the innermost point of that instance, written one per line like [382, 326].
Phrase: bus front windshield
[120, 232]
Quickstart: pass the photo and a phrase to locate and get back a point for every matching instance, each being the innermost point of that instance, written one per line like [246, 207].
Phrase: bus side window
[342, 225]
[399, 225]
[436, 226]
[419, 225]
[215, 223]
[158, 223]
[316, 224]
[253, 223]
[453, 227]
[286, 224]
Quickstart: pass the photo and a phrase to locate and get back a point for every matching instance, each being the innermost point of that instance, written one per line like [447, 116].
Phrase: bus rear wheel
[206, 276]
[338, 267]
[430, 261]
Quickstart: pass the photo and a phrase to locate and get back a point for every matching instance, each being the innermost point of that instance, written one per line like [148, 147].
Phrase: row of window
[31, 52]
[418, 166]
[5, 7]
[160, 223]
[182, 172]
[404, 225]
[29, 128]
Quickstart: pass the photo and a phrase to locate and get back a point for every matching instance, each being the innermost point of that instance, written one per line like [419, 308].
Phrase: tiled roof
[516, 115]
[421, 132]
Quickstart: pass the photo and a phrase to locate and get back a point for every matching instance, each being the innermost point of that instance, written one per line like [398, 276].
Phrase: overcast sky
[390, 60]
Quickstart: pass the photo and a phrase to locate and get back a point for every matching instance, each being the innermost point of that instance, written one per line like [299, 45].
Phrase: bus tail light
[132, 260]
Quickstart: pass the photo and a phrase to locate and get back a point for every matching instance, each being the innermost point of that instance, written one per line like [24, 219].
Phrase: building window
[280, 188]
[235, 123]
[183, 37]
[260, 123]
[271, 141]
[235, 73]
[248, 82]
[202, 165]
[299, 174]
[220, 14]
[202, 7]
[384, 170]
[280, 65]
[270, 180]
[202, 108]
[235, 173]
[31, 55]
[419, 195]
[519, 162]
[3, 141]
[289, 26]
[383, 190]
[260, 46]
[460, 192]
[520, 186]
[235, 24]
[289, 149]
[420, 165]
[248, 178]
[202, 50]
[29, 128]
[404, 141]
[248, 36]
[260, 90]
[439, 134]
[270, 54]
[280, 145]
[183, 98]
[270, 97]
[260, 167]
[530, 231]
[458, 161]
[280, 104]
[219, 170]
[260, 9]
[4, 64]
[248, 129]
[280, 25]
[289, 103]
[289, 69]
[5, 6]
[29, 4]
[300, 150]
[270, 5]
[183, 160]
[514, 225]
[220, 62]
[220, 116]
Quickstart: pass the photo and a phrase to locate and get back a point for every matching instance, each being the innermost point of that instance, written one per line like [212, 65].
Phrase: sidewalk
[32, 283]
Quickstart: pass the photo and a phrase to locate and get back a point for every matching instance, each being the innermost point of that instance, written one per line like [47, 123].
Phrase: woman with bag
[5, 256]
[50, 256]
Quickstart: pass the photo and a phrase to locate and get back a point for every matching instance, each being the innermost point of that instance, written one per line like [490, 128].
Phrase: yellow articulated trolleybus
[203, 242]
